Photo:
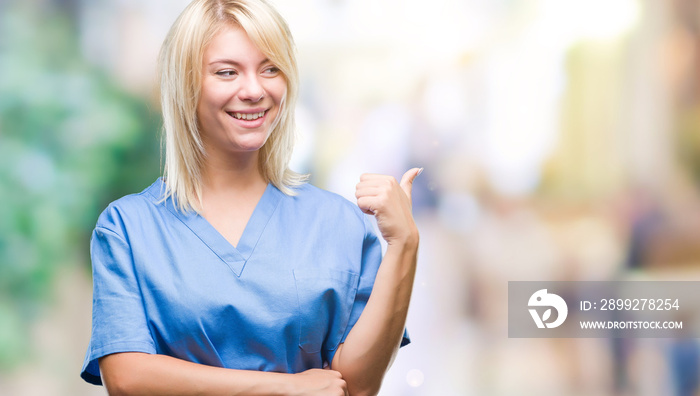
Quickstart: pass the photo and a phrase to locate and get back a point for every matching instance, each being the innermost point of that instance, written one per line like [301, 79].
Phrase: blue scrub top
[167, 282]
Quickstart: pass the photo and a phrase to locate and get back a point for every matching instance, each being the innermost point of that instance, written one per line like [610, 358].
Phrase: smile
[248, 116]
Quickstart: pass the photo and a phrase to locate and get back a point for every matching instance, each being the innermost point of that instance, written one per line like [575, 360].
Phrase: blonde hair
[180, 65]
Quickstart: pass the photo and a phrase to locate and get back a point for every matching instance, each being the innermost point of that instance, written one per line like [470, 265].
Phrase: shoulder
[309, 194]
[130, 208]
[317, 203]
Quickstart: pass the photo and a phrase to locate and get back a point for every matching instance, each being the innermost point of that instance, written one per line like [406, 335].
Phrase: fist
[390, 202]
[320, 382]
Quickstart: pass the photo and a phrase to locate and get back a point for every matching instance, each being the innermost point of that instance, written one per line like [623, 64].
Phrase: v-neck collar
[235, 257]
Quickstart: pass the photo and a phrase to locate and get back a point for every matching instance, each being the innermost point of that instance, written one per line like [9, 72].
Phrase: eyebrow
[234, 63]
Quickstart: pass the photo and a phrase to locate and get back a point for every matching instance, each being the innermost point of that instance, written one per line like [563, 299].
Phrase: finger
[378, 181]
[344, 387]
[407, 180]
[372, 176]
[366, 191]
[336, 373]
[368, 205]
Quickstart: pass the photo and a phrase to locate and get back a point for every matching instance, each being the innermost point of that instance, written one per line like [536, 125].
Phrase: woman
[230, 275]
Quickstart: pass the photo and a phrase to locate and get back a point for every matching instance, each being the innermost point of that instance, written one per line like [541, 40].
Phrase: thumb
[407, 180]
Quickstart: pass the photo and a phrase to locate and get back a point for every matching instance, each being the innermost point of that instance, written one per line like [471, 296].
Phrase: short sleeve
[118, 317]
[371, 259]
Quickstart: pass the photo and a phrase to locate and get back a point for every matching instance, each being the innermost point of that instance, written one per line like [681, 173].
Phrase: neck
[233, 173]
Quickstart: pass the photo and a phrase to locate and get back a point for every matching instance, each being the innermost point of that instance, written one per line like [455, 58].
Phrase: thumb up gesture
[390, 202]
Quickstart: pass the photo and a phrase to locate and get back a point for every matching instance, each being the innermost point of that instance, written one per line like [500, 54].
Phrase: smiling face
[241, 95]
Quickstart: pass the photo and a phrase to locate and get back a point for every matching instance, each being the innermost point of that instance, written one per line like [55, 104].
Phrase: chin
[249, 146]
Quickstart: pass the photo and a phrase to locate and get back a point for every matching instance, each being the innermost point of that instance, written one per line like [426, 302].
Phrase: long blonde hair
[180, 65]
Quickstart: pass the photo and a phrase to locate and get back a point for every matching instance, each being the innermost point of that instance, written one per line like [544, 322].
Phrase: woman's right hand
[320, 382]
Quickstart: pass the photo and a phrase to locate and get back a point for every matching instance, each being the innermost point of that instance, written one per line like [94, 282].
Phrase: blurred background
[560, 141]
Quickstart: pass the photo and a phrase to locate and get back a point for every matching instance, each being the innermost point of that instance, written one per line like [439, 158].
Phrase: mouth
[247, 116]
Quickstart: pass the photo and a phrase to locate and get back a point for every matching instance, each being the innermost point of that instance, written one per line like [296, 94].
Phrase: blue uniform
[282, 300]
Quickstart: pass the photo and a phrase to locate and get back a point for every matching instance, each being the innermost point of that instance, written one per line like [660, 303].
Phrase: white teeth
[248, 116]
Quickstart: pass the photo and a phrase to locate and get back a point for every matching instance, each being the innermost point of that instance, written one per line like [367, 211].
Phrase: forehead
[232, 43]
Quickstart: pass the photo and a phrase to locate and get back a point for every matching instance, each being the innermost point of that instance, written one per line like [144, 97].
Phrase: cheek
[204, 113]
[277, 89]
[208, 107]
[212, 95]
[204, 105]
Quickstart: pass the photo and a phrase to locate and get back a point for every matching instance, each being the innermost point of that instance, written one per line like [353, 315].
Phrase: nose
[251, 89]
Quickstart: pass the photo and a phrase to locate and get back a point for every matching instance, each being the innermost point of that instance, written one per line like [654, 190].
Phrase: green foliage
[70, 142]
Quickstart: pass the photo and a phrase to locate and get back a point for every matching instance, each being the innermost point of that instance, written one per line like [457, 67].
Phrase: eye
[226, 73]
[271, 70]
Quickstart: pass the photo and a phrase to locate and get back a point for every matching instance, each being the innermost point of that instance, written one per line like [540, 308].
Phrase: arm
[134, 373]
[371, 345]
